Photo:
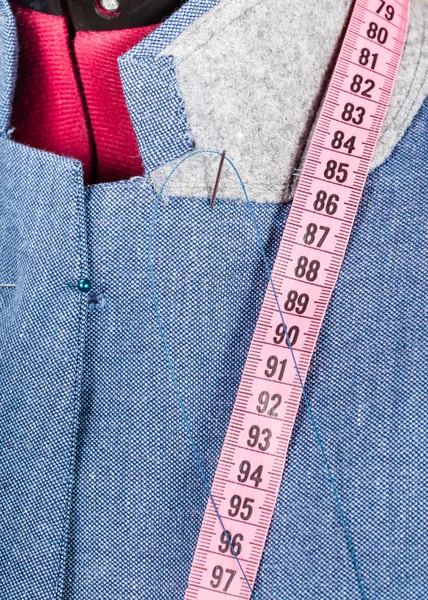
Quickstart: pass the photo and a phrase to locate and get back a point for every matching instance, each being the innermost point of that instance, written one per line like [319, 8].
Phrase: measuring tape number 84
[309, 258]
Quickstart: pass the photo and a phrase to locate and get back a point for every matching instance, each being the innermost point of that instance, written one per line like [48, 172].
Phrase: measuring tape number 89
[306, 268]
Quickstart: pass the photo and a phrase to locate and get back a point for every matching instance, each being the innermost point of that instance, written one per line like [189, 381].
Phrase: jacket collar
[248, 76]
[141, 53]
[212, 77]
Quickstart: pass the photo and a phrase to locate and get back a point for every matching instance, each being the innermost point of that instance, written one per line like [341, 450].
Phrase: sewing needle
[217, 181]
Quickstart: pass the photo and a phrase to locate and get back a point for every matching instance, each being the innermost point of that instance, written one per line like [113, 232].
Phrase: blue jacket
[100, 496]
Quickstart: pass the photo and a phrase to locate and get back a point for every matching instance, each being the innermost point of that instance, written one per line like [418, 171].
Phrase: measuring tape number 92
[251, 464]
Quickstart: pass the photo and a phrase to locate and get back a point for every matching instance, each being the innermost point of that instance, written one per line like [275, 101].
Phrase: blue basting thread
[177, 389]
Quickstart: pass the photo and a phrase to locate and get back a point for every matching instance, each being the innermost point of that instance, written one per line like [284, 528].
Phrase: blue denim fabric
[100, 496]
[151, 90]
[8, 62]
[42, 322]
[138, 500]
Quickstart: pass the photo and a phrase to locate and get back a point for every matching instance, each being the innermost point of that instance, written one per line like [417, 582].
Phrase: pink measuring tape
[306, 268]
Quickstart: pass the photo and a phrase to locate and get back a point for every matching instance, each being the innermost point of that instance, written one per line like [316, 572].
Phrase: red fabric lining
[48, 111]
[116, 145]
[77, 112]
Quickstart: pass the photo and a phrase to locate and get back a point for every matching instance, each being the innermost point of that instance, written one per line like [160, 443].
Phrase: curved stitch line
[178, 393]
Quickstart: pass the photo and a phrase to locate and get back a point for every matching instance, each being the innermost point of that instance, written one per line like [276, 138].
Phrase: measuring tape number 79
[306, 268]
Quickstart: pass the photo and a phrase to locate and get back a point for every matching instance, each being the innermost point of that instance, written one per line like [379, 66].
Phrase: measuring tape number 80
[306, 268]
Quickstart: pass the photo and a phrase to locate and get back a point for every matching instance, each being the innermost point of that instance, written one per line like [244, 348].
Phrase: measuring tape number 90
[313, 244]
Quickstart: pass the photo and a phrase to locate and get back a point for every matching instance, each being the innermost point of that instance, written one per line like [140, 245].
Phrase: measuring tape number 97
[252, 459]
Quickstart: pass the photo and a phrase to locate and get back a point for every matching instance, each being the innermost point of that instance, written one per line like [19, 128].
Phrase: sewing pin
[217, 181]
[7, 284]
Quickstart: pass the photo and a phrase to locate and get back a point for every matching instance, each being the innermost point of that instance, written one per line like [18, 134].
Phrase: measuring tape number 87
[306, 268]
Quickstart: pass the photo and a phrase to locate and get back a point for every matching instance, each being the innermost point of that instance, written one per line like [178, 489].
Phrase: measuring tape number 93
[252, 459]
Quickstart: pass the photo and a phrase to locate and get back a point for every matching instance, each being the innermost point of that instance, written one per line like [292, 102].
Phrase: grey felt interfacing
[252, 73]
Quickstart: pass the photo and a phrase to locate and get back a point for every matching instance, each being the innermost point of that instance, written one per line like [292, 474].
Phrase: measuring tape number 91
[306, 268]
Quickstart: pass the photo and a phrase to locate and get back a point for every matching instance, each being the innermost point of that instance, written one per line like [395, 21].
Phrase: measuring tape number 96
[306, 268]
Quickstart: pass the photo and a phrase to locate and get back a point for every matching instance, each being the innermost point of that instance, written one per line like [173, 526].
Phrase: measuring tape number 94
[252, 460]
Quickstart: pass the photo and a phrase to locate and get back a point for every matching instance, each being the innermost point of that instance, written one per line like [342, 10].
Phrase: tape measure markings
[311, 251]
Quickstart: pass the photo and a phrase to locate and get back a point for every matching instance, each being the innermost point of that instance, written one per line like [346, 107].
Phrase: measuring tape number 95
[252, 459]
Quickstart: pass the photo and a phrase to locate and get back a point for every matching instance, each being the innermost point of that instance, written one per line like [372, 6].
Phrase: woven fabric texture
[100, 496]
[8, 63]
[254, 94]
[68, 98]
[151, 91]
[42, 323]
[137, 498]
